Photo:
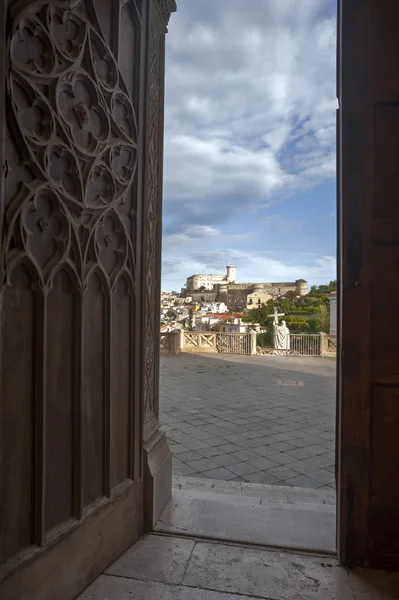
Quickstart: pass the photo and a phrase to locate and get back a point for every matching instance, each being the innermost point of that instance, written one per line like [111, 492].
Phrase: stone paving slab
[227, 418]
[176, 568]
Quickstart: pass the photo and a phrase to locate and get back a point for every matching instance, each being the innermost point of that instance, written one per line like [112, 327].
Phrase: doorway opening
[250, 183]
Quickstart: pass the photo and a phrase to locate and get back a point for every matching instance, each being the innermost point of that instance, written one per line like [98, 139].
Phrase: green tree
[317, 290]
[297, 324]
[265, 339]
[324, 317]
[290, 296]
[314, 325]
[171, 314]
[260, 314]
[190, 319]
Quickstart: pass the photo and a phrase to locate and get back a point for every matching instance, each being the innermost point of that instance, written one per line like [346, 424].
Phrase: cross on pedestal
[276, 315]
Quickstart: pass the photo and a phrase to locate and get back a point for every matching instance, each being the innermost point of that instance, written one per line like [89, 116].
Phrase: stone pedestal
[157, 478]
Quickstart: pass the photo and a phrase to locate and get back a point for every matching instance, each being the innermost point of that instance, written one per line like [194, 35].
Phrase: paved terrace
[244, 418]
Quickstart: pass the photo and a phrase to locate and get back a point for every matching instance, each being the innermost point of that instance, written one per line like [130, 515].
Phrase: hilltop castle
[224, 288]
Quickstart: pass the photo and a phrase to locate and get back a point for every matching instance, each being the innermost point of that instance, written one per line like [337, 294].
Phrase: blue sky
[249, 176]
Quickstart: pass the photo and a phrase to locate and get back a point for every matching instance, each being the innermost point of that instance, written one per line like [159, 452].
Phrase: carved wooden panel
[159, 17]
[68, 266]
[153, 224]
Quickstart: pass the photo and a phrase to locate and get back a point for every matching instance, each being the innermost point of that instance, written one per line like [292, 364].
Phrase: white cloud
[251, 267]
[249, 119]
[238, 79]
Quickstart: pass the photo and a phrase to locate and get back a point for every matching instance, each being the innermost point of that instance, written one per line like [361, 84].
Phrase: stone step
[269, 493]
[270, 516]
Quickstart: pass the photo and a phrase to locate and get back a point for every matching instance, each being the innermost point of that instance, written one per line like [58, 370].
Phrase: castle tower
[302, 286]
[231, 273]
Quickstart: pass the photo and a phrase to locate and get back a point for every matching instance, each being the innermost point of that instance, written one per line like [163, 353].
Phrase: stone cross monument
[281, 332]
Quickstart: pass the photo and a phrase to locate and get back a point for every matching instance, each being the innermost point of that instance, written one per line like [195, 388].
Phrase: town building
[228, 322]
[224, 288]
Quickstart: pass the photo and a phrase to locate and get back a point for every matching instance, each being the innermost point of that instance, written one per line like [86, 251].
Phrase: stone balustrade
[301, 344]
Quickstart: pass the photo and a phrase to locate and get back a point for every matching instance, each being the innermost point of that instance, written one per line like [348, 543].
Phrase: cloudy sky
[249, 173]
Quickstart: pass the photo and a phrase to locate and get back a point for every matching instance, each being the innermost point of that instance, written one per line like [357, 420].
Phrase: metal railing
[301, 344]
[305, 344]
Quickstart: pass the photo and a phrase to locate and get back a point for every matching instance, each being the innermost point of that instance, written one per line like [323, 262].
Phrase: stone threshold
[297, 519]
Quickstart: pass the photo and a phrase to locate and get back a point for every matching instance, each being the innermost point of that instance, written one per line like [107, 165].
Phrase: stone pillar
[253, 342]
[156, 453]
[323, 344]
[174, 343]
[182, 340]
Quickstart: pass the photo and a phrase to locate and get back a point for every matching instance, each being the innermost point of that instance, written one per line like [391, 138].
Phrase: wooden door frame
[367, 516]
[352, 399]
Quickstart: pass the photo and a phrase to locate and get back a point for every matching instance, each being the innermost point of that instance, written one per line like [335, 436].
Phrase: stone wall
[200, 297]
[234, 295]
[237, 298]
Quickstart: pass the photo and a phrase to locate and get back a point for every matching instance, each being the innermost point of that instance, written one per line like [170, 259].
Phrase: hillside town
[215, 302]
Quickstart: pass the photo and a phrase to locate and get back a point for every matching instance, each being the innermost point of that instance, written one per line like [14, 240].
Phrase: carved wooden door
[72, 256]
[368, 474]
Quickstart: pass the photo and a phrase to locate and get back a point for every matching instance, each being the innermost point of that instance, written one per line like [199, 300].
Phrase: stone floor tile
[219, 473]
[281, 446]
[155, 558]
[229, 447]
[263, 574]
[212, 442]
[208, 452]
[189, 455]
[283, 458]
[263, 450]
[302, 467]
[242, 469]
[322, 475]
[253, 434]
[262, 462]
[116, 588]
[203, 464]
[304, 481]
[244, 455]
[307, 452]
[261, 477]
[177, 448]
[224, 460]
[282, 473]
[183, 469]
[196, 444]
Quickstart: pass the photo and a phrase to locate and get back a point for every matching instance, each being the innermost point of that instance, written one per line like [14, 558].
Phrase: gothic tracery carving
[71, 110]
